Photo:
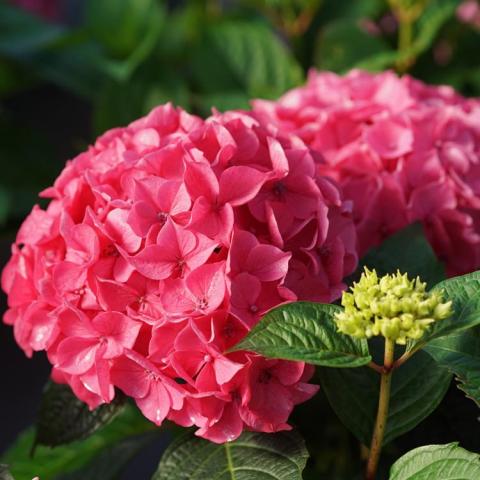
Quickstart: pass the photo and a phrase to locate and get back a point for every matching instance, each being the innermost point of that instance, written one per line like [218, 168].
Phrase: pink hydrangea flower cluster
[401, 150]
[162, 245]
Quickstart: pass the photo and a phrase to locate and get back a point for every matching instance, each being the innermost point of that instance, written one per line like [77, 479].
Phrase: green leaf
[112, 460]
[464, 292]
[407, 251]
[418, 387]
[51, 51]
[460, 353]
[149, 86]
[122, 26]
[439, 462]
[64, 418]
[5, 473]
[304, 331]
[275, 456]
[342, 44]
[50, 462]
[223, 101]
[244, 57]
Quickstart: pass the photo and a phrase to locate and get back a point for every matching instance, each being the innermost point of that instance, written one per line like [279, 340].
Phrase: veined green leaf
[306, 332]
[259, 456]
[464, 292]
[460, 353]
[437, 462]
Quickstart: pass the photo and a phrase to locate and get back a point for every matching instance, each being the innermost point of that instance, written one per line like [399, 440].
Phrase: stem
[375, 367]
[400, 361]
[382, 413]
[405, 37]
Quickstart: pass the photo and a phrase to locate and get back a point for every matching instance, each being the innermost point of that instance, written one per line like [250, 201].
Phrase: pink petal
[114, 295]
[76, 355]
[207, 285]
[225, 369]
[238, 185]
[268, 263]
[201, 181]
[155, 262]
[389, 138]
[141, 217]
[117, 227]
[156, 404]
[131, 377]
[227, 429]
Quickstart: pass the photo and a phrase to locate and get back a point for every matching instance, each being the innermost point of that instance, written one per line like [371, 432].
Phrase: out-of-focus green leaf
[332, 10]
[71, 58]
[63, 418]
[112, 460]
[343, 44]
[121, 27]
[51, 51]
[22, 33]
[48, 462]
[149, 87]
[241, 56]
[221, 101]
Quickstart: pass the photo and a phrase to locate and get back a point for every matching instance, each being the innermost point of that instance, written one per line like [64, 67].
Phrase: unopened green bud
[392, 306]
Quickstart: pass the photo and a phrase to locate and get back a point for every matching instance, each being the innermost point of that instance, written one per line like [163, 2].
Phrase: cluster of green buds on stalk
[392, 306]
[398, 309]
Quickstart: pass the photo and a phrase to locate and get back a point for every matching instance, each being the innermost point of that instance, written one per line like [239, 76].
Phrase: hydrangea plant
[187, 269]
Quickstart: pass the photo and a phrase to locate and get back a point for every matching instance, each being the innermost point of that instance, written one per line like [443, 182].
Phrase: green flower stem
[405, 38]
[374, 366]
[400, 361]
[382, 412]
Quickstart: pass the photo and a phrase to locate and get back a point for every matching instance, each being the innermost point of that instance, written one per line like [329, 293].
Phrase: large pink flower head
[402, 151]
[162, 245]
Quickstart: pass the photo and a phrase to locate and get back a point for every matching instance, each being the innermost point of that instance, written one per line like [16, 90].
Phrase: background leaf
[64, 418]
[49, 462]
[305, 331]
[243, 57]
[262, 456]
[122, 27]
[464, 292]
[112, 460]
[343, 44]
[437, 462]
[408, 251]
[418, 387]
[460, 353]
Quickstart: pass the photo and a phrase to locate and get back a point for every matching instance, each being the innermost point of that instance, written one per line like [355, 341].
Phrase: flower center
[279, 189]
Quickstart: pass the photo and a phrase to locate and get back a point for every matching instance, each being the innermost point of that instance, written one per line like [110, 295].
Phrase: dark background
[71, 69]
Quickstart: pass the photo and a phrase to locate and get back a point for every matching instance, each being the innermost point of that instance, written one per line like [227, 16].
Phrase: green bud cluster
[392, 306]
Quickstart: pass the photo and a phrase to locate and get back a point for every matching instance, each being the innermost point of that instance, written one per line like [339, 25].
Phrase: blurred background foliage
[106, 62]
[70, 69]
